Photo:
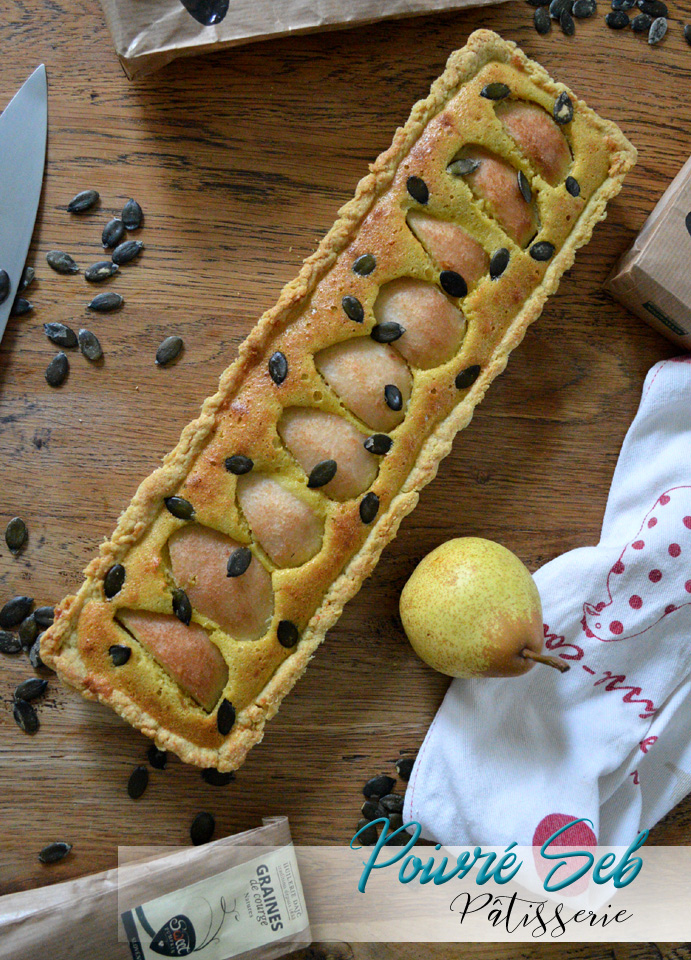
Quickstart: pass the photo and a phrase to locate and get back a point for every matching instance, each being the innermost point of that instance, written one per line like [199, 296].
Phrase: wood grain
[240, 161]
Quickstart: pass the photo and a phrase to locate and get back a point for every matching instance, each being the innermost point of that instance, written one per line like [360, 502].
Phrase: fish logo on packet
[651, 579]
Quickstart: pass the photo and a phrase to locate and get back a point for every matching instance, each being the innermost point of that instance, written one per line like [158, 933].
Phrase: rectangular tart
[237, 555]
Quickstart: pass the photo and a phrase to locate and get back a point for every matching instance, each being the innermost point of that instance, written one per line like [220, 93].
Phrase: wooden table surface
[240, 161]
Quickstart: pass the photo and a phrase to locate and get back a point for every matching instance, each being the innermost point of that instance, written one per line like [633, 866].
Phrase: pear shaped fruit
[472, 609]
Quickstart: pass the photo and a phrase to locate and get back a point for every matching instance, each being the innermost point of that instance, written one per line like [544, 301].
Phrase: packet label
[240, 909]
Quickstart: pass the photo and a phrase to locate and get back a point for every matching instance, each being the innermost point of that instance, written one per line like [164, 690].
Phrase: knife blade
[23, 131]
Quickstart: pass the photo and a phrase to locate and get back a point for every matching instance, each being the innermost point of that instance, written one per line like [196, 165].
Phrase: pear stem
[555, 662]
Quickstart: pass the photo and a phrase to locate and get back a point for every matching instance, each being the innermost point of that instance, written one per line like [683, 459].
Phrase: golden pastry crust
[243, 416]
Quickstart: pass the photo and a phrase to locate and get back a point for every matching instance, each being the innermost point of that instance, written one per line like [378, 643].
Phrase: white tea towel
[514, 759]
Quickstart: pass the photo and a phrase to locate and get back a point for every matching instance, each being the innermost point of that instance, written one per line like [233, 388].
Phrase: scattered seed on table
[83, 201]
[370, 810]
[137, 783]
[9, 642]
[180, 508]
[35, 654]
[202, 829]
[617, 20]
[169, 350]
[563, 109]
[557, 7]
[404, 766]
[583, 9]
[127, 251]
[4, 285]
[157, 758]
[100, 271]
[30, 689]
[567, 24]
[657, 31]
[536, 3]
[89, 345]
[54, 852]
[119, 653]
[392, 802]
[542, 20]
[20, 307]
[28, 631]
[378, 786]
[14, 611]
[368, 835]
[61, 262]
[25, 716]
[105, 302]
[687, 33]
[27, 278]
[60, 334]
[182, 608]
[216, 778]
[225, 717]
[113, 232]
[44, 616]
[642, 23]
[57, 370]
[654, 8]
[16, 534]
[132, 215]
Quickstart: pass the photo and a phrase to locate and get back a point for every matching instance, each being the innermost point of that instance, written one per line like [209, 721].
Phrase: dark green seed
[367, 833]
[202, 829]
[60, 334]
[657, 31]
[462, 167]
[395, 821]
[239, 561]
[353, 308]
[20, 307]
[557, 7]
[9, 643]
[182, 608]
[536, 3]
[572, 186]
[238, 464]
[567, 24]
[542, 21]
[57, 370]
[61, 262]
[180, 508]
[583, 9]
[397, 839]
[418, 190]
[30, 689]
[27, 278]
[453, 283]
[54, 852]
[364, 265]
[169, 350]
[495, 91]
[370, 810]
[687, 33]
[28, 631]
[113, 232]
[132, 215]
[119, 653]
[387, 332]
[654, 8]
[138, 782]
[378, 443]
[127, 251]
[4, 285]
[392, 803]
[225, 717]
[322, 473]
[524, 187]
[44, 616]
[14, 611]
[642, 23]
[157, 758]
[378, 786]
[466, 378]
[35, 654]
[113, 580]
[393, 397]
[617, 20]
[287, 633]
[404, 766]
[216, 778]
[25, 716]
[499, 262]
[369, 507]
[278, 367]
[105, 302]
[100, 271]
[563, 108]
[89, 345]
[83, 201]
[542, 250]
[16, 534]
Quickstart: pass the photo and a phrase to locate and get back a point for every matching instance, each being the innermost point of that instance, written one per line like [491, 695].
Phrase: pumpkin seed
[169, 350]
[238, 464]
[495, 91]
[392, 803]
[404, 767]
[366, 833]
[353, 308]
[370, 810]
[418, 189]
[83, 201]
[100, 271]
[225, 717]
[642, 23]
[387, 332]
[14, 611]
[28, 275]
[157, 758]
[105, 302]
[202, 829]
[542, 21]
[463, 166]
[113, 232]
[535, 3]
[364, 265]
[393, 397]
[216, 778]
[687, 33]
[5, 285]
[180, 508]
[322, 473]
[20, 307]
[567, 24]
[61, 262]
[395, 821]
[378, 444]
[89, 345]
[44, 616]
[25, 716]
[60, 334]
[278, 367]
[9, 643]
[287, 633]
[657, 31]
[16, 534]
[544, 250]
[583, 9]
[378, 787]
[563, 108]
[30, 689]
[239, 561]
[466, 378]
[127, 251]
[35, 654]
[572, 186]
[654, 8]
[132, 215]
[617, 20]
[369, 507]
[28, 631]
[54, 852]
[119, 653]
[499, 262]
[453, 283]
[182, 608]
[557, 7]
[57, 370]
[113, 580]
[138, 782]
[524, 187]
